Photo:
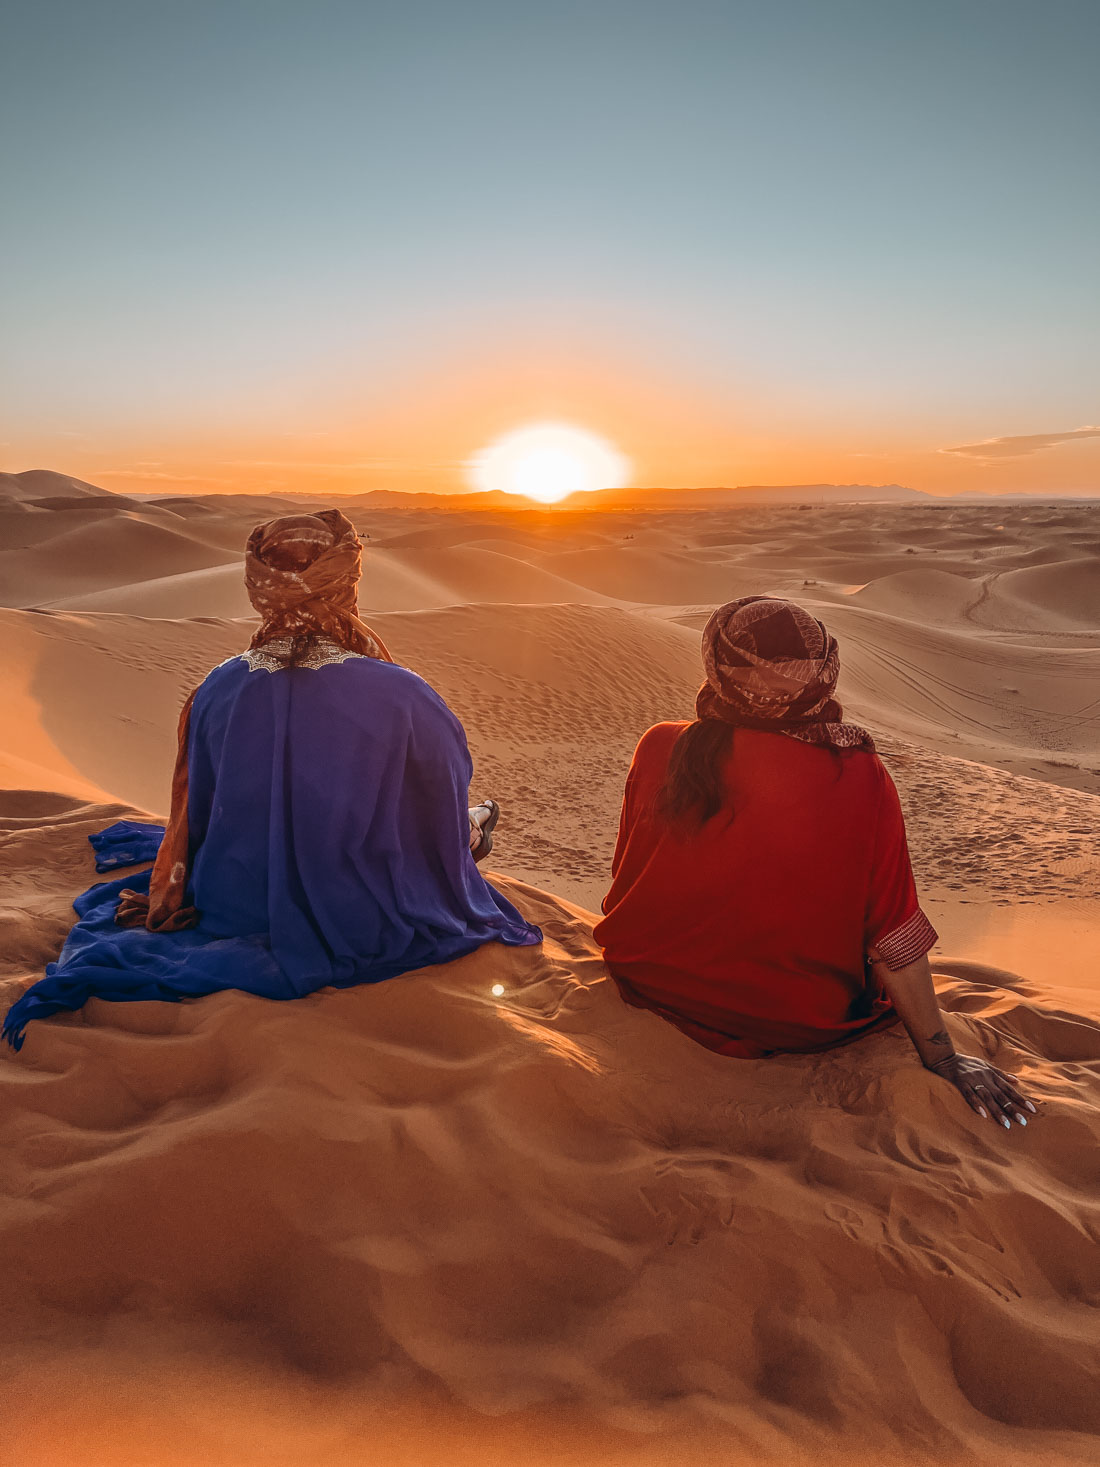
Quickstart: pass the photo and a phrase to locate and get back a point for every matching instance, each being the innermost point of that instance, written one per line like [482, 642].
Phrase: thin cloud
[160, 475]
[307, 466]
[1021, 446]
[329, 467]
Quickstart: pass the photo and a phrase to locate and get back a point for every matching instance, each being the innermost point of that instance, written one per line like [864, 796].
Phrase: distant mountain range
[38, 485]
[42, 488]
[657, 498]
[754, 494]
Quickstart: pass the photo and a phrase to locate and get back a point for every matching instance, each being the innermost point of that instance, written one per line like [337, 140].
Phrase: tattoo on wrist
[940, 1038]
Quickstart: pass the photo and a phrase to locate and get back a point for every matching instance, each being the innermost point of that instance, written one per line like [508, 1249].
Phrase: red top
[751, 934]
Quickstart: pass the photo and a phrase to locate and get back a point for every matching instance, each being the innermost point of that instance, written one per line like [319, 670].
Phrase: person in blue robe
[320, 832]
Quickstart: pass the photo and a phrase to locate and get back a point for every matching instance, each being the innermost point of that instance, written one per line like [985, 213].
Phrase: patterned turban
[771, 665]
[302, 576]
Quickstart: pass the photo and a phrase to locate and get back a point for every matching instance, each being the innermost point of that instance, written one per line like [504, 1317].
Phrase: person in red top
[762, 896]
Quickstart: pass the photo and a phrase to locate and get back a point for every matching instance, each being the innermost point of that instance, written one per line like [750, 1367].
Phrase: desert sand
[417, 1223]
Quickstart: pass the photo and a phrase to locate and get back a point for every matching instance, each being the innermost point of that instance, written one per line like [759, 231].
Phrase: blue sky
[788, 234]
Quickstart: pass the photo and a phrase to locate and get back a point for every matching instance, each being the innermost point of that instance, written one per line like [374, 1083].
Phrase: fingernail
[1006, 1123]
[1030, 1107]
[1022, 1119]
[983, 1113]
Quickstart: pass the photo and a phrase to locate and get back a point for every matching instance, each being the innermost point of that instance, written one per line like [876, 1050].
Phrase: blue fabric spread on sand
[126, 843]
[329, 846]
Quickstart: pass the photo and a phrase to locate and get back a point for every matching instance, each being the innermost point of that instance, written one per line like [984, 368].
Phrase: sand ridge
[551, 1198]
[554, 699]
[549, 1226]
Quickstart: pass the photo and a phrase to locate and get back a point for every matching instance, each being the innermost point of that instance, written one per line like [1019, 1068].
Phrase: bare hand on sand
[977, 1081]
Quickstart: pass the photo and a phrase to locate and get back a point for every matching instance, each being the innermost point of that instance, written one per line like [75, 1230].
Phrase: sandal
[485, 844]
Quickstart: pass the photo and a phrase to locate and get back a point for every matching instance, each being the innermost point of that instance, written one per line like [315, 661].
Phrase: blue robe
[329, 842]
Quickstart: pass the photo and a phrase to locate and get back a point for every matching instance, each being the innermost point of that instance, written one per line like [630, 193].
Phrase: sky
[343, 245]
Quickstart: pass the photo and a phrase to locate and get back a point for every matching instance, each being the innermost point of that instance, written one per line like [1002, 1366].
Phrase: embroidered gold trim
[908, 942]
[271, 657]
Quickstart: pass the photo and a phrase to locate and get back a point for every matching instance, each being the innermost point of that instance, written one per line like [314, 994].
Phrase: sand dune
[467, 573]
[927, 594]
[217, 592]
[393, 581]
[244, 508]
[24, 525]
[510, 671]
[934, 684]
[91, 703]
[548, 1228]
[642, 575]
[35, 484]
[1064, 593]
[100, 554]
[1047, 597]
[554, 698]
[546, 1199]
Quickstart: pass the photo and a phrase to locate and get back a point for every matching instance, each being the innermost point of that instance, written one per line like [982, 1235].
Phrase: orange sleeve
[896, 926]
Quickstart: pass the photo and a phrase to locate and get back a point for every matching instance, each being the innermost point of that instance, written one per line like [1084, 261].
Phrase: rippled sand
[419, 1223]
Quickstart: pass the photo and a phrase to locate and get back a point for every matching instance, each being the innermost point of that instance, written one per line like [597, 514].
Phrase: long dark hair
[694, 791]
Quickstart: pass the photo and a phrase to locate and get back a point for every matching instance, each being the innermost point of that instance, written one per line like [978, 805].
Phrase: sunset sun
[548, 461]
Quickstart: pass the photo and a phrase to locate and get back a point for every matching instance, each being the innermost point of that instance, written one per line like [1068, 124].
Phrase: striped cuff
[908, 942]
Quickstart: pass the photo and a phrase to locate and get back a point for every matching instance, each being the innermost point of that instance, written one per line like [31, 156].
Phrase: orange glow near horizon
[547, 462]
[421, 430]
